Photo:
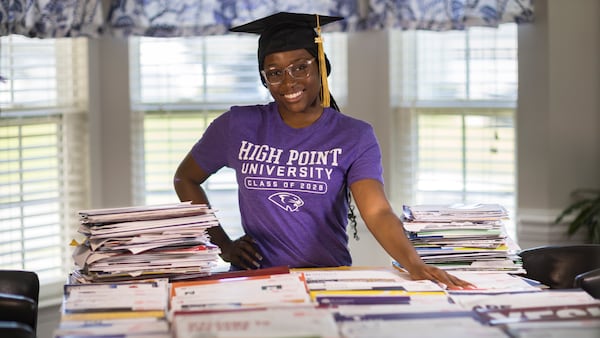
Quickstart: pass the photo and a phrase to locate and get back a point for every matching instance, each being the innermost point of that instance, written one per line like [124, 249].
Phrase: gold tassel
[325, 100]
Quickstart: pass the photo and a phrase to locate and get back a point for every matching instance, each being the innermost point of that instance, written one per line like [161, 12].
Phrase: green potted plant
[586, 211]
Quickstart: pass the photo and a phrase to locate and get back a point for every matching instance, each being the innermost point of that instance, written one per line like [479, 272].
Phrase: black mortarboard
[286, 31]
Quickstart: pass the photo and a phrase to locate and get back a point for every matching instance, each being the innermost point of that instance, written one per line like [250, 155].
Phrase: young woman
[296, 159]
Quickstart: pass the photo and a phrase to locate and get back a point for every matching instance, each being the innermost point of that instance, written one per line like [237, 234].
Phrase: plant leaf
[587, 216]
[569, 210]
[595, 236]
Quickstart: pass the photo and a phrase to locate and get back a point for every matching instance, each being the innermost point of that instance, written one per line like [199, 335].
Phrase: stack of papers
[138, 308]
[550, 313]
[462, 237]
[379, 302]
[144, 242]
[255, 303]
[239, 292]
[325, 302]
[355, 292]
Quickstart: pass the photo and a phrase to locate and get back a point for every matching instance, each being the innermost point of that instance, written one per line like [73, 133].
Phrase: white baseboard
[536, 227]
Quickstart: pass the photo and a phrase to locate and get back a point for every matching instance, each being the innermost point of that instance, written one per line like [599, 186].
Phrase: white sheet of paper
[245, 291]
[279, 322]
[527, 299]
[419, 327]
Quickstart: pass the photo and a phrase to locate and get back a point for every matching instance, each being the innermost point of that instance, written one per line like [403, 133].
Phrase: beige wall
[558, 116]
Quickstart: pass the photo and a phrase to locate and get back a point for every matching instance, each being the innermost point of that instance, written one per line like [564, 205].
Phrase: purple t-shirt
[293, 183]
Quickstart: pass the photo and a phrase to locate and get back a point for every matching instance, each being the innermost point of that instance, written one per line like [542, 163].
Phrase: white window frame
[408, 105]
[60, 103]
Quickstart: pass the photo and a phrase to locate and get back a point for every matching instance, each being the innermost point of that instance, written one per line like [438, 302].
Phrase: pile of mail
[462, 237]
[120, 309]
[144, 242]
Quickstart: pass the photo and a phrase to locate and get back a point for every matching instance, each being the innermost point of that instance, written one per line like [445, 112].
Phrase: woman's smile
[293, 96]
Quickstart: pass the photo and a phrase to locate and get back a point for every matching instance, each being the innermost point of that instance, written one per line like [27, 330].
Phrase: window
[178, 86]
[43, 167]
[455, 96]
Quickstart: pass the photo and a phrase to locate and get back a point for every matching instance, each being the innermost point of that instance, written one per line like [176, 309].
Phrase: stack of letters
[124, 309]
[145, 242]
[144, 272]
[370, 302]
[462, 237]
[262, 303]
[349, 302]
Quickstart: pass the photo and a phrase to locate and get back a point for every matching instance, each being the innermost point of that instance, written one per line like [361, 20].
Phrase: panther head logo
[287, 201]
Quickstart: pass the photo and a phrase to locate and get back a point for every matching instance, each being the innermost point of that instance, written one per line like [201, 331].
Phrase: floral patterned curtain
[51, 18]
[69, 18]
[191, 17]
[440, 15]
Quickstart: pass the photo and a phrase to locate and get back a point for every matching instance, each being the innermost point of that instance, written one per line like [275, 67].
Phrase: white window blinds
[455, 95]
[43, 167]
[215, 71]
[179, 85]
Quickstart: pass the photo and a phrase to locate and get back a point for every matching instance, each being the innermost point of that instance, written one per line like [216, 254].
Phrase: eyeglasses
[298, 70]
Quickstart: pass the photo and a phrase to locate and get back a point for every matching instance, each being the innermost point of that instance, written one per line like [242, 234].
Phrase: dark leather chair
[590, 282]
[19, 297]
[15, 330]
[556, 266]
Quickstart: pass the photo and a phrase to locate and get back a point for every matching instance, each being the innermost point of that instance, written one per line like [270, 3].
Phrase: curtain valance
[164, 18]
[51, 18]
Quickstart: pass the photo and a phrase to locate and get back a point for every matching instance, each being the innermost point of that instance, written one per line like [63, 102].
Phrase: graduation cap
[286, 31]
